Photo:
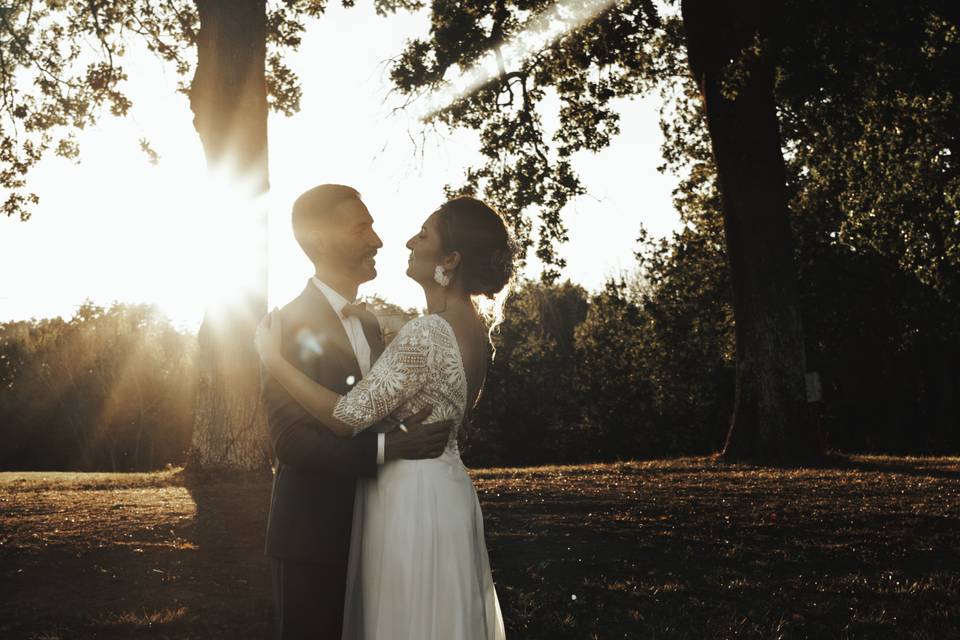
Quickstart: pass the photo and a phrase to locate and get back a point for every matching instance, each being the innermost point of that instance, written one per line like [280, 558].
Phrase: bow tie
[354, 310]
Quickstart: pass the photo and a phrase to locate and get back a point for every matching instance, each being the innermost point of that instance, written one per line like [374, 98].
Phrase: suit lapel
[371, 330]
[331, 334]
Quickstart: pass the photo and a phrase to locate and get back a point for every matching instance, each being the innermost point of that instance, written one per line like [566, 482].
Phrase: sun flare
[209, 252]
[231, 236]
[540, 31]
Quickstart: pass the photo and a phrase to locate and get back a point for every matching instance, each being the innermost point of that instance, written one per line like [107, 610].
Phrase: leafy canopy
[570, 78]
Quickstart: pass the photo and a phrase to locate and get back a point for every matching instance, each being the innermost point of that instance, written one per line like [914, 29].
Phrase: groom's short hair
[314, 209]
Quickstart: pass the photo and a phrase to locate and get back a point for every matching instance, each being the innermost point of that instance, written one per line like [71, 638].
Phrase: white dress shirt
[358, 340]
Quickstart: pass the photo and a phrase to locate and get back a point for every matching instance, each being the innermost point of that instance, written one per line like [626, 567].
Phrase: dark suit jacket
[311, 506]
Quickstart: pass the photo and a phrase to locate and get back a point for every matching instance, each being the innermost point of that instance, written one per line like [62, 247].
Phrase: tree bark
[229, 101]
[736, 84]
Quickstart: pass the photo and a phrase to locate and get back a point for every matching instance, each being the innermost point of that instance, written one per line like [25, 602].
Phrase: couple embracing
[375, 530]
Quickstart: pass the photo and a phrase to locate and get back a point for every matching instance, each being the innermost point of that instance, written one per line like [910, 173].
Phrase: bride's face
[425, 251]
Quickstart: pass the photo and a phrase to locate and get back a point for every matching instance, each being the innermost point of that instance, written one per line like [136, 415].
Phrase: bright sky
[116, 227]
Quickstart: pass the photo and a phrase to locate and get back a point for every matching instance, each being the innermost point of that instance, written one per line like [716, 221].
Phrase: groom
[334, 342]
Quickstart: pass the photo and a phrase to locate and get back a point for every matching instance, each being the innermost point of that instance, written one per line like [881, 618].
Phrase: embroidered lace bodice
[422, 366]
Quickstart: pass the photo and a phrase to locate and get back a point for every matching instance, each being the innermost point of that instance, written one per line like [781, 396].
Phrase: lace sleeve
[397, 376]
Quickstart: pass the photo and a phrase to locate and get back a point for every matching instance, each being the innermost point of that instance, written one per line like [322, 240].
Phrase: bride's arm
[318, 400]
[397, 375]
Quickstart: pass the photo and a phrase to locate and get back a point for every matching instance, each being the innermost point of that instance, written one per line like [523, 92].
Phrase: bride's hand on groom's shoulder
[268, 337]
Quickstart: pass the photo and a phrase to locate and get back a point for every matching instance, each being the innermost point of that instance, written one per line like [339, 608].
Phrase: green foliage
[615, 388]
[529, 411]
[689, 339]
[632, 371]
[656, 357]
[61, 66]
[867, 95]
[381, 307]
[391, 317]
[573, 77]
[870, 117]
[109, 389]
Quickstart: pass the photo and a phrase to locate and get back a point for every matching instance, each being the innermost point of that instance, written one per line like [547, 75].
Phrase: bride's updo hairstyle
[470, 227]
[479, 234]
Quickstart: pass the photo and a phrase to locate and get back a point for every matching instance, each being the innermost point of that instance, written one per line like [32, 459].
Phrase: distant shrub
[617, 395]
[641, 369]
[108, 389]
[530, 409]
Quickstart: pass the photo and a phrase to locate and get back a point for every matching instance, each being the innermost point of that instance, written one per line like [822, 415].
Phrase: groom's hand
[420, 441]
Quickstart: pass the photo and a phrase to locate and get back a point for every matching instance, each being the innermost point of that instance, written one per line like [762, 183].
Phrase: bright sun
[230, 251]
[200, 245]
[115, 227]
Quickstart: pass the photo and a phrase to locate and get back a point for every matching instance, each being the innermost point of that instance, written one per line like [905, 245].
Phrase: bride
[418, 566]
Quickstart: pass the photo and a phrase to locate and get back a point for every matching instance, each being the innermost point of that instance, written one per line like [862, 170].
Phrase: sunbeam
[541, 31]
[228, 245]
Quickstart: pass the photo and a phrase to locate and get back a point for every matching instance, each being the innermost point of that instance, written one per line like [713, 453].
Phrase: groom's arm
[299, 440]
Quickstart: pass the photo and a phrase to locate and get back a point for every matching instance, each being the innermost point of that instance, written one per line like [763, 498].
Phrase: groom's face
[349, 242]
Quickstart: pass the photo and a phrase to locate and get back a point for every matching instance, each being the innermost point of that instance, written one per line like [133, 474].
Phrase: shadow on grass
[942, 468]
[700, 548]
[228, 531]
[162, 555]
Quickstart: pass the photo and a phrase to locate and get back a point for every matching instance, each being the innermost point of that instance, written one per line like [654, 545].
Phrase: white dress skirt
[418, 567]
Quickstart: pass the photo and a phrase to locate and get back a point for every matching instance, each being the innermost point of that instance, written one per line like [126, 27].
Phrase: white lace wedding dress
[418, 566]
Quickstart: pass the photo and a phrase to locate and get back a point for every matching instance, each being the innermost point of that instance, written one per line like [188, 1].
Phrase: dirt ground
[866, 547]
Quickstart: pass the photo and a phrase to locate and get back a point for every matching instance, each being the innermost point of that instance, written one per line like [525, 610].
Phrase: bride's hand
[268, 337]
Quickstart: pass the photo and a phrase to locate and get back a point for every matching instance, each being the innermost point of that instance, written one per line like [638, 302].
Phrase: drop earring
[440, 276]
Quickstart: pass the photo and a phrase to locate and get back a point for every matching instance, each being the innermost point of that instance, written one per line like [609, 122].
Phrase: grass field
[868, 547]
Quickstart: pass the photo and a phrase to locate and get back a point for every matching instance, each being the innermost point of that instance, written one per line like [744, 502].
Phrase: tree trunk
[736, 84]
[229, 103]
